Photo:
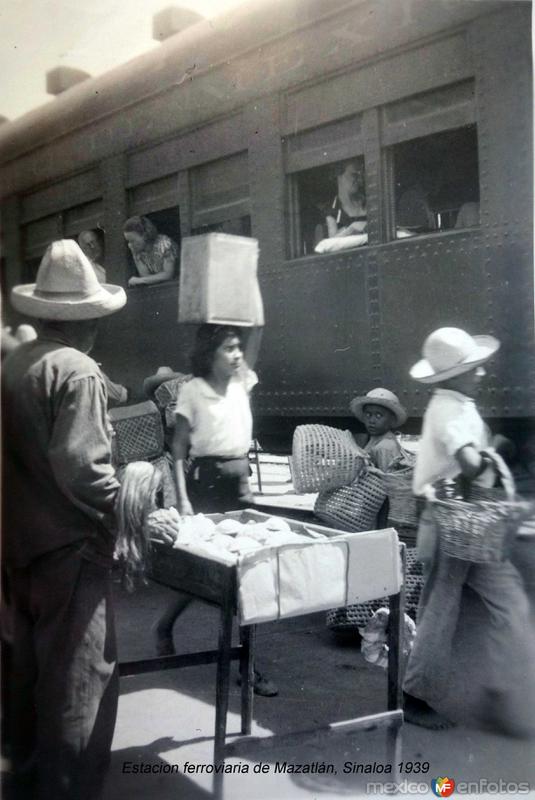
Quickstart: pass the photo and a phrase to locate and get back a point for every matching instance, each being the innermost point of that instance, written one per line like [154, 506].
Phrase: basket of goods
[403, 509]
[138, 433]
[353, 507]
[166, 396]
[481, 530]
[324, 458]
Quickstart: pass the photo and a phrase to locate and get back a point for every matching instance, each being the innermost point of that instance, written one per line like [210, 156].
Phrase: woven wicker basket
[167, 392]
[353, 617]
[354, 507]
[138, 433]
[324, 458]
[481, 531]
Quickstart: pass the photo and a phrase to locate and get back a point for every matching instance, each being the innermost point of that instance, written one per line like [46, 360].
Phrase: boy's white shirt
[451, 421]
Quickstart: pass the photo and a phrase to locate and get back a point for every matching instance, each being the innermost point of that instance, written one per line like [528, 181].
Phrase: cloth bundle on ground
[374, 636]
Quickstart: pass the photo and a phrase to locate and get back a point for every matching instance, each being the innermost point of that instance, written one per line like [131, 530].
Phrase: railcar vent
[171, 20]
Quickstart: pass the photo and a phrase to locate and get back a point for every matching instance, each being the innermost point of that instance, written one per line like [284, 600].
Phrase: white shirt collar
[462, 398]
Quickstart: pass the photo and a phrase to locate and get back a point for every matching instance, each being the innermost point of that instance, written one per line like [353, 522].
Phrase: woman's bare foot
[418, 712]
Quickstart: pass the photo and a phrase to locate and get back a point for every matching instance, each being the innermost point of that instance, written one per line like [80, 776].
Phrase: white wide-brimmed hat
[379, 397]
[448, 352]
[67, 288]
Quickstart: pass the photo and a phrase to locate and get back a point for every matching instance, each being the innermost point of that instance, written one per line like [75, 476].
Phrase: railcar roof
[195, 51]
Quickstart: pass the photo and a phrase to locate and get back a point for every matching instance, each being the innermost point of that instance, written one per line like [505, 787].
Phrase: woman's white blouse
[220, 425]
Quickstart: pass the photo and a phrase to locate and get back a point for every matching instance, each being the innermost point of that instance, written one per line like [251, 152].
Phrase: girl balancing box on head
[381, 412]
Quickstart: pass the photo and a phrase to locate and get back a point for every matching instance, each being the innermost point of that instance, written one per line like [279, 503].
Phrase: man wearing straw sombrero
[59, 493]
[455, 442]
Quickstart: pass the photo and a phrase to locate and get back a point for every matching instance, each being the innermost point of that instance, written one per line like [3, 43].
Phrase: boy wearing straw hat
[453, 438]
[381, 412]
[58, 501]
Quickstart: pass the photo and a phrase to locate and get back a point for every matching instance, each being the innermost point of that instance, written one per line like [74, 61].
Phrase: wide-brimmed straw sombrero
[161, 375]
[67, 288]
[448, 352]
[379, 397]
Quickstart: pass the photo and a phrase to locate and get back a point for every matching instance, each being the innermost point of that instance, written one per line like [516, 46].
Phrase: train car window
[326, 187]
[429, 112]
[435, 182]
[83, 217]
[158, 201]
[328, 208]
[220, 198]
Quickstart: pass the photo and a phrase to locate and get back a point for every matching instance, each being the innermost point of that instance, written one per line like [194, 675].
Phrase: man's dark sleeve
[80, 448]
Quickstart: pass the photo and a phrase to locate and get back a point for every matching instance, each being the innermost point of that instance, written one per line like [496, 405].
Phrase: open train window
[328, 206]
[157, 201]
[220, 200]
[326, 188]
[432, 169]
[436, 183]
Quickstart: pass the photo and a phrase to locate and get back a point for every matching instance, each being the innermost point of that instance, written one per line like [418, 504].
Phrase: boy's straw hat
[379, 397]
[448, 352]
[67, 288]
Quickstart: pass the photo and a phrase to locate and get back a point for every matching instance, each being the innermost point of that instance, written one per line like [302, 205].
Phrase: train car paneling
[71, 191]
[446, 61]
[502, 60]
[324, 336]
[274, 378]
[502, 57]
[267, 181]
[154, 195]
[426, 284]
[83, 217]
[182, 85]
[143, 336]
[212, 141]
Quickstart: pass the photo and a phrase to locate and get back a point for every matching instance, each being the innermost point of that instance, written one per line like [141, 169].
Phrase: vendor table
[217, 583]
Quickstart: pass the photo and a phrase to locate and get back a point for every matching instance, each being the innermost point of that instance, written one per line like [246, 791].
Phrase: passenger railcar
[242, 124]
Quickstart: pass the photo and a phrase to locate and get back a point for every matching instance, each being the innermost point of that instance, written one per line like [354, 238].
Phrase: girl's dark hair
[142, 226]
[209, 338]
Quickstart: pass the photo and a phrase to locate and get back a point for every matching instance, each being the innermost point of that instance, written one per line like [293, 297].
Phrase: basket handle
[503, 471]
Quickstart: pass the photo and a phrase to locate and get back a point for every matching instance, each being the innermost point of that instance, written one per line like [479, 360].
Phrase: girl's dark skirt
[217, 485]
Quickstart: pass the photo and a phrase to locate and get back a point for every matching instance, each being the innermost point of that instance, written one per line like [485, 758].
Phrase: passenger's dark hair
[209, 338]
[142, 226]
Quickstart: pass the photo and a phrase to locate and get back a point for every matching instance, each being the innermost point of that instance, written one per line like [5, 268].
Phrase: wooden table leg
[247, 641]
[395, 640]
[222, 688]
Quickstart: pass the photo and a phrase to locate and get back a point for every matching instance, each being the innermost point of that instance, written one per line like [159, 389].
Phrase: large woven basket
[324, 458]
[166, 396]
[481, 531]
[138, 433]
[354, 507]
[403, 508]
[352, 617]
